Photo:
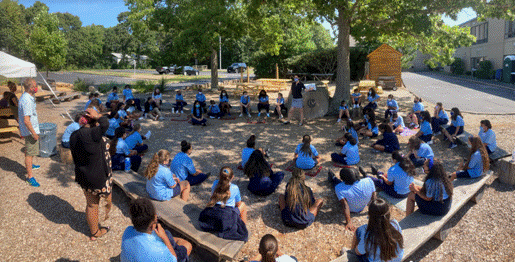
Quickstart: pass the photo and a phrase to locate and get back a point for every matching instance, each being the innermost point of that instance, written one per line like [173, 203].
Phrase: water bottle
[127, 164]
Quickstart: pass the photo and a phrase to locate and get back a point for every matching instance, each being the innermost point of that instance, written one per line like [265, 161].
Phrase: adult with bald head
[29, 127]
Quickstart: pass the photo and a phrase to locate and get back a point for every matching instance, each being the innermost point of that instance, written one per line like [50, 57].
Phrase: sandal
[96, 236]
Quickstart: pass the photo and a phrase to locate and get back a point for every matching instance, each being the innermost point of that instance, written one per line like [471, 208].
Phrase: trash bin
[47, 139]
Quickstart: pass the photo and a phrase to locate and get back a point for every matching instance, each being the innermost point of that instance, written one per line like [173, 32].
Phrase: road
[466, 95]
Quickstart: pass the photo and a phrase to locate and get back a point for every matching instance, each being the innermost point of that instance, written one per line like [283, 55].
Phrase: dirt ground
[48, 223]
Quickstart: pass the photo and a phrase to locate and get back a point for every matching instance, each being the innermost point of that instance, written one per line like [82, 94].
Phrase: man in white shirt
[29, 127]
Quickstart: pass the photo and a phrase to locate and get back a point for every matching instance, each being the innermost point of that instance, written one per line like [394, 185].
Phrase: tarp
[13, 67]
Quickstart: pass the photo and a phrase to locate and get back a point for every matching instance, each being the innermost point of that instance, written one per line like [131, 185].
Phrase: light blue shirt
[69, 130]
[425, 151]
[159, 187]
[344, 107]
[245, 155]
[304, 161]
[200, 97]
[87, 104]
[280, 101]
[134, 139]
[182, 166]
[400, 179]
[418, 107]
[127, 93]
[122, 113]
[122, 148]
[458, 122]
[351, 153]
[354, 134]
[475, 165]
[158, 96]
[373, 98]
[113, 124]
[377, 258]
[179, 97]
[426, 129]
[27, 107]
[112, 97]
[443, 115]
[224, 99]
[245, 99]
[214, 109]
[434, 189]
[392, 103]
[488, 137]
[398, 122]
[358, 195]
[263, 99]
[142, 247]
[374, 129]
[235, 194]
[356, 96]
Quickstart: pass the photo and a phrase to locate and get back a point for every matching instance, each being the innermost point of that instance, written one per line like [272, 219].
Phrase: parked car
[187, 70]
[237, 68]
[166, 69]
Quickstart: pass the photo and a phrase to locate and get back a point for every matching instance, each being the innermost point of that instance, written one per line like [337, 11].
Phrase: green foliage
[108, 86]
[13, 28]
[68, 22]
[162, 83]
[485, 70]
[458, 66]
[144, 86]
[85, 46]
[46, 43]
[82, 85]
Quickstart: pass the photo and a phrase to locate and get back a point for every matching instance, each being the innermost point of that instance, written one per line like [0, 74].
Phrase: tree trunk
[342, 91]
[214, 69]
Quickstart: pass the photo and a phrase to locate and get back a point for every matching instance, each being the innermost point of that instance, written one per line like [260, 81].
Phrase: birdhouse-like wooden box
[385, 61]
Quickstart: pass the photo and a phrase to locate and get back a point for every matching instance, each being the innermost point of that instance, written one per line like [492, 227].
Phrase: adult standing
[29, 127]
[12, 100]
[93, 173]
[296, 105]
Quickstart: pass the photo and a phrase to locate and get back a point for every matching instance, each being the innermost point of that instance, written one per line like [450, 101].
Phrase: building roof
[382, 48]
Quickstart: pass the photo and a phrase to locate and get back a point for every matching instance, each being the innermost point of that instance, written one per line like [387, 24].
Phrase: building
[495, 39]
[117, 57]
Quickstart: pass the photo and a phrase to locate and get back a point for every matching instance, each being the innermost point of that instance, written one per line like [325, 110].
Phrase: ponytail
[159, 158]
[306, 145]
[268, 247]
[222, 190]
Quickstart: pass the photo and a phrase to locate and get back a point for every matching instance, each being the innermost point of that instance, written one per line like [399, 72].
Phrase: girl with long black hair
[306, 156]
[262, 180]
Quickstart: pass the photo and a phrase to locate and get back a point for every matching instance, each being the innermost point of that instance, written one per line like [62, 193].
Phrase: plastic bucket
[47, 139]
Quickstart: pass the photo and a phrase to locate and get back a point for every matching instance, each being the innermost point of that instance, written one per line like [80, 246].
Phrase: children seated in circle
[414, 116]
[135, 140]
[214, 111]
[306, 156]
[353, 192]
[269, 251]
[381, 239]
[440, 118]
[65, 140]
[263, 103]
[179, 103]
[487, 136]
[349, 155]
[419, 151]
[369, 127]
[224, 104]
[162, 185]
[197, 117]
[119, 151]
[262, 180]
[351, 128]
[152, 109]
[343, 111]
[225, 214]
[147, 240]
[356, 98]
[372, 98]
[456, 128]
[298, 205]
[245, 104]
[435, 196]
[201, 98]
[425, 133]
[397, 123]
[477, 163]
[182, 166]
[280, 106]
[398, 178]
[389, 143]
[391, 106]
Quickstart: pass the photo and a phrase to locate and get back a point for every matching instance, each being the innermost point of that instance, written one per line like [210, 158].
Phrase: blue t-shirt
[400, 179]
[458, 122]
[245, 155]
[122, 113]
[214, 109]
[87, 104]
[182, 166]
[235, 194]
[434, 189]
[475, 168]
[374, 129]
[200, 97]
[159, 186]
[418, 107]
[351, 153]
[134, 139]
[142, 247]
[344, 107]
[196, 111]
[179, 97]
[361, 231]
[425, 151]
[398, 122]
[373, 98]
[392, 103]
[426, 129]
[358, 195]
[224, 99]
[69, 130]
[304, 161]
[488, 137]
[113, 124]
[245, 99]
[280, 101]
[122, 148]
[354, 134]
[127, 93]
[263, 99]
[443, 115]
[356, 96]
[112, 97]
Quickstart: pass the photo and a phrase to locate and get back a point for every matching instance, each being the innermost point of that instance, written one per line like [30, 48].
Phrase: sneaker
[32, 181]
[182, 112]
[452, 145]
[286, 123]
[339, 120]
[300, 123]
[259, 114]
[241, 115]
[430, 142]
[211, 117]
[281, 117]
[267, 114]
[248, 115]
[173, 110]
[34, 167]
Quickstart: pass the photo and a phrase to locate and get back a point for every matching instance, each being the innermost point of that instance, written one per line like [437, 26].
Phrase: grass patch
[144, 86]
[82, 85]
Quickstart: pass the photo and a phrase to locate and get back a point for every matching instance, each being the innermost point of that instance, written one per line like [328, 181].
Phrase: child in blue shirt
[201, 98]
[127, 95]
[356, 98]
[372, 98]
[262, 180]
[263, 103]
[306, 156]
[112, 98]
[227, 194]
[391, 106]
[398, 178]
[224, 104]
[349, 154]
[179, 103]
[119, 150]
[440, 118]
[487, 136]
[114, 122]
[197, 118]
[182, 166]
[162, 185]
[246, 152]
[269, 251]
[353, 192]
[397, 123]
[65, 140]
[214, 111]
[370, 129]
[280, 106]
[343, 110]
[425, 133]
[135, 140]
[389, 143]
[419, 151]
[245, 104]
[414, 116]
[351, 128]
[456, 128]
[478, 161]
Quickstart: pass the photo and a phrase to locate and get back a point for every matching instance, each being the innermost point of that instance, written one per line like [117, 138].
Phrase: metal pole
[220, 55]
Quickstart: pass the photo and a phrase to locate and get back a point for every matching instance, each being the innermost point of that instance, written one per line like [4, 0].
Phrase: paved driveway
[466, 95]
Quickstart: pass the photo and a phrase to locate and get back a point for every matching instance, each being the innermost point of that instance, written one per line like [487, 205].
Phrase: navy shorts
[180, 251]
[176, 190]
[433, 208]
[463, 174]
[452, 129]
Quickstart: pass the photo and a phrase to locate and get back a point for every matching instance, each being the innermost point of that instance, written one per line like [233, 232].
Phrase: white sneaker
[248, 115]
[241, 115]
[350, 119]
[173, 110]
[430, 142]
[339, 120]
[281, 117]
[267, 115]
[259, 114]
[148, 134]
[211, 117]
[182, 112]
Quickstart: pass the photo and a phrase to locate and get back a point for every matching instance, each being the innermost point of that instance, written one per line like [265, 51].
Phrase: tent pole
[44, 80]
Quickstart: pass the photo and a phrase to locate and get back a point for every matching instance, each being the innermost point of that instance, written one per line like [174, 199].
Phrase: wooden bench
[47, 95]
[463, 140]
[181, 217]
[4, 123]
[418, 228]
[60, 99]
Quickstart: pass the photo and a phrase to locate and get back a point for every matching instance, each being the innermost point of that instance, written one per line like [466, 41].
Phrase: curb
[479, 82]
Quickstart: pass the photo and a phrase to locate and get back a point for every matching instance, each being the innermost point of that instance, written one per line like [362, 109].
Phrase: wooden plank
[399, 203]
[9, 129]
[499, 153]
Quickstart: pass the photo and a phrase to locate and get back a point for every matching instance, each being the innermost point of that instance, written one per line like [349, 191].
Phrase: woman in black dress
[90, 153]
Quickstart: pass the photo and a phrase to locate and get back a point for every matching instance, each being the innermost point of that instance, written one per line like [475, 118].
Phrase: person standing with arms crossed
[297, 102]
[29, 127]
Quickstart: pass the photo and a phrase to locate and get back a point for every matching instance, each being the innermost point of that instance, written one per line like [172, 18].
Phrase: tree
[34, 10]
[68, 22]
[85, 46]
[13, 28]
[46, 43]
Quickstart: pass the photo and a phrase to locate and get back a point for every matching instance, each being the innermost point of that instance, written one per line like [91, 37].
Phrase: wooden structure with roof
[385, 61]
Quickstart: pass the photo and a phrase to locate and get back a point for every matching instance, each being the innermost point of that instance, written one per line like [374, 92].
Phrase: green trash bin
[47, 139]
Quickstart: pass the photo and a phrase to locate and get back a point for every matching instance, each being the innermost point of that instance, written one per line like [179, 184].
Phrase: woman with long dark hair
[197, 118]
[306, 156]
[263, 103]
[381, 239]
[398, 178]
[478, 161]
[269, 251]
[435, 196]
[225, 106]
[456, 128]
[262, 180]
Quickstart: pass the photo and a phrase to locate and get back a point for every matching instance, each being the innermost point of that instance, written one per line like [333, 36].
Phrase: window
[474, 62]
[509, 29]
[480, 32]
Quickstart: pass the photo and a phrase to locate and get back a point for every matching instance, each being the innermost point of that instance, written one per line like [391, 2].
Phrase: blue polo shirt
[182, 166]
[159, 186]
[134, 139]
[458, 122]
[280, 101]
[245, 99]
[400, 179]
[179, 97]
[122, 148]
[112, 97]
[142, 247]
[434, 189]
[245, 155]
[354, 134]
[356, 96]
[418, 107]
[373, 98]
[214, 109]
[69, 130]
[263, 99]
[113, 124]
[351, 153]
[122, 113]
[362, 231]
[398, 122]
[425, 151]
[392, 103]
[357, 195]
[374, 129]
[488, 137]
[200, 97]
[224, 99]
[425, 127]
[235, 194]
[344, 107]
[304, 161]
[443, 115]
[127, 93]
[475, 168]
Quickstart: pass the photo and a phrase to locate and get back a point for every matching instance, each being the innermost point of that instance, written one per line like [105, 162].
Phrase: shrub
[468, 73]
[106, 87]
[144, 86]
[458, 66]
[82, 85]
[485, 70]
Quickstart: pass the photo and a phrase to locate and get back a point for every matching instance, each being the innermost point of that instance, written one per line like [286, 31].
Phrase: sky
[105, 12]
